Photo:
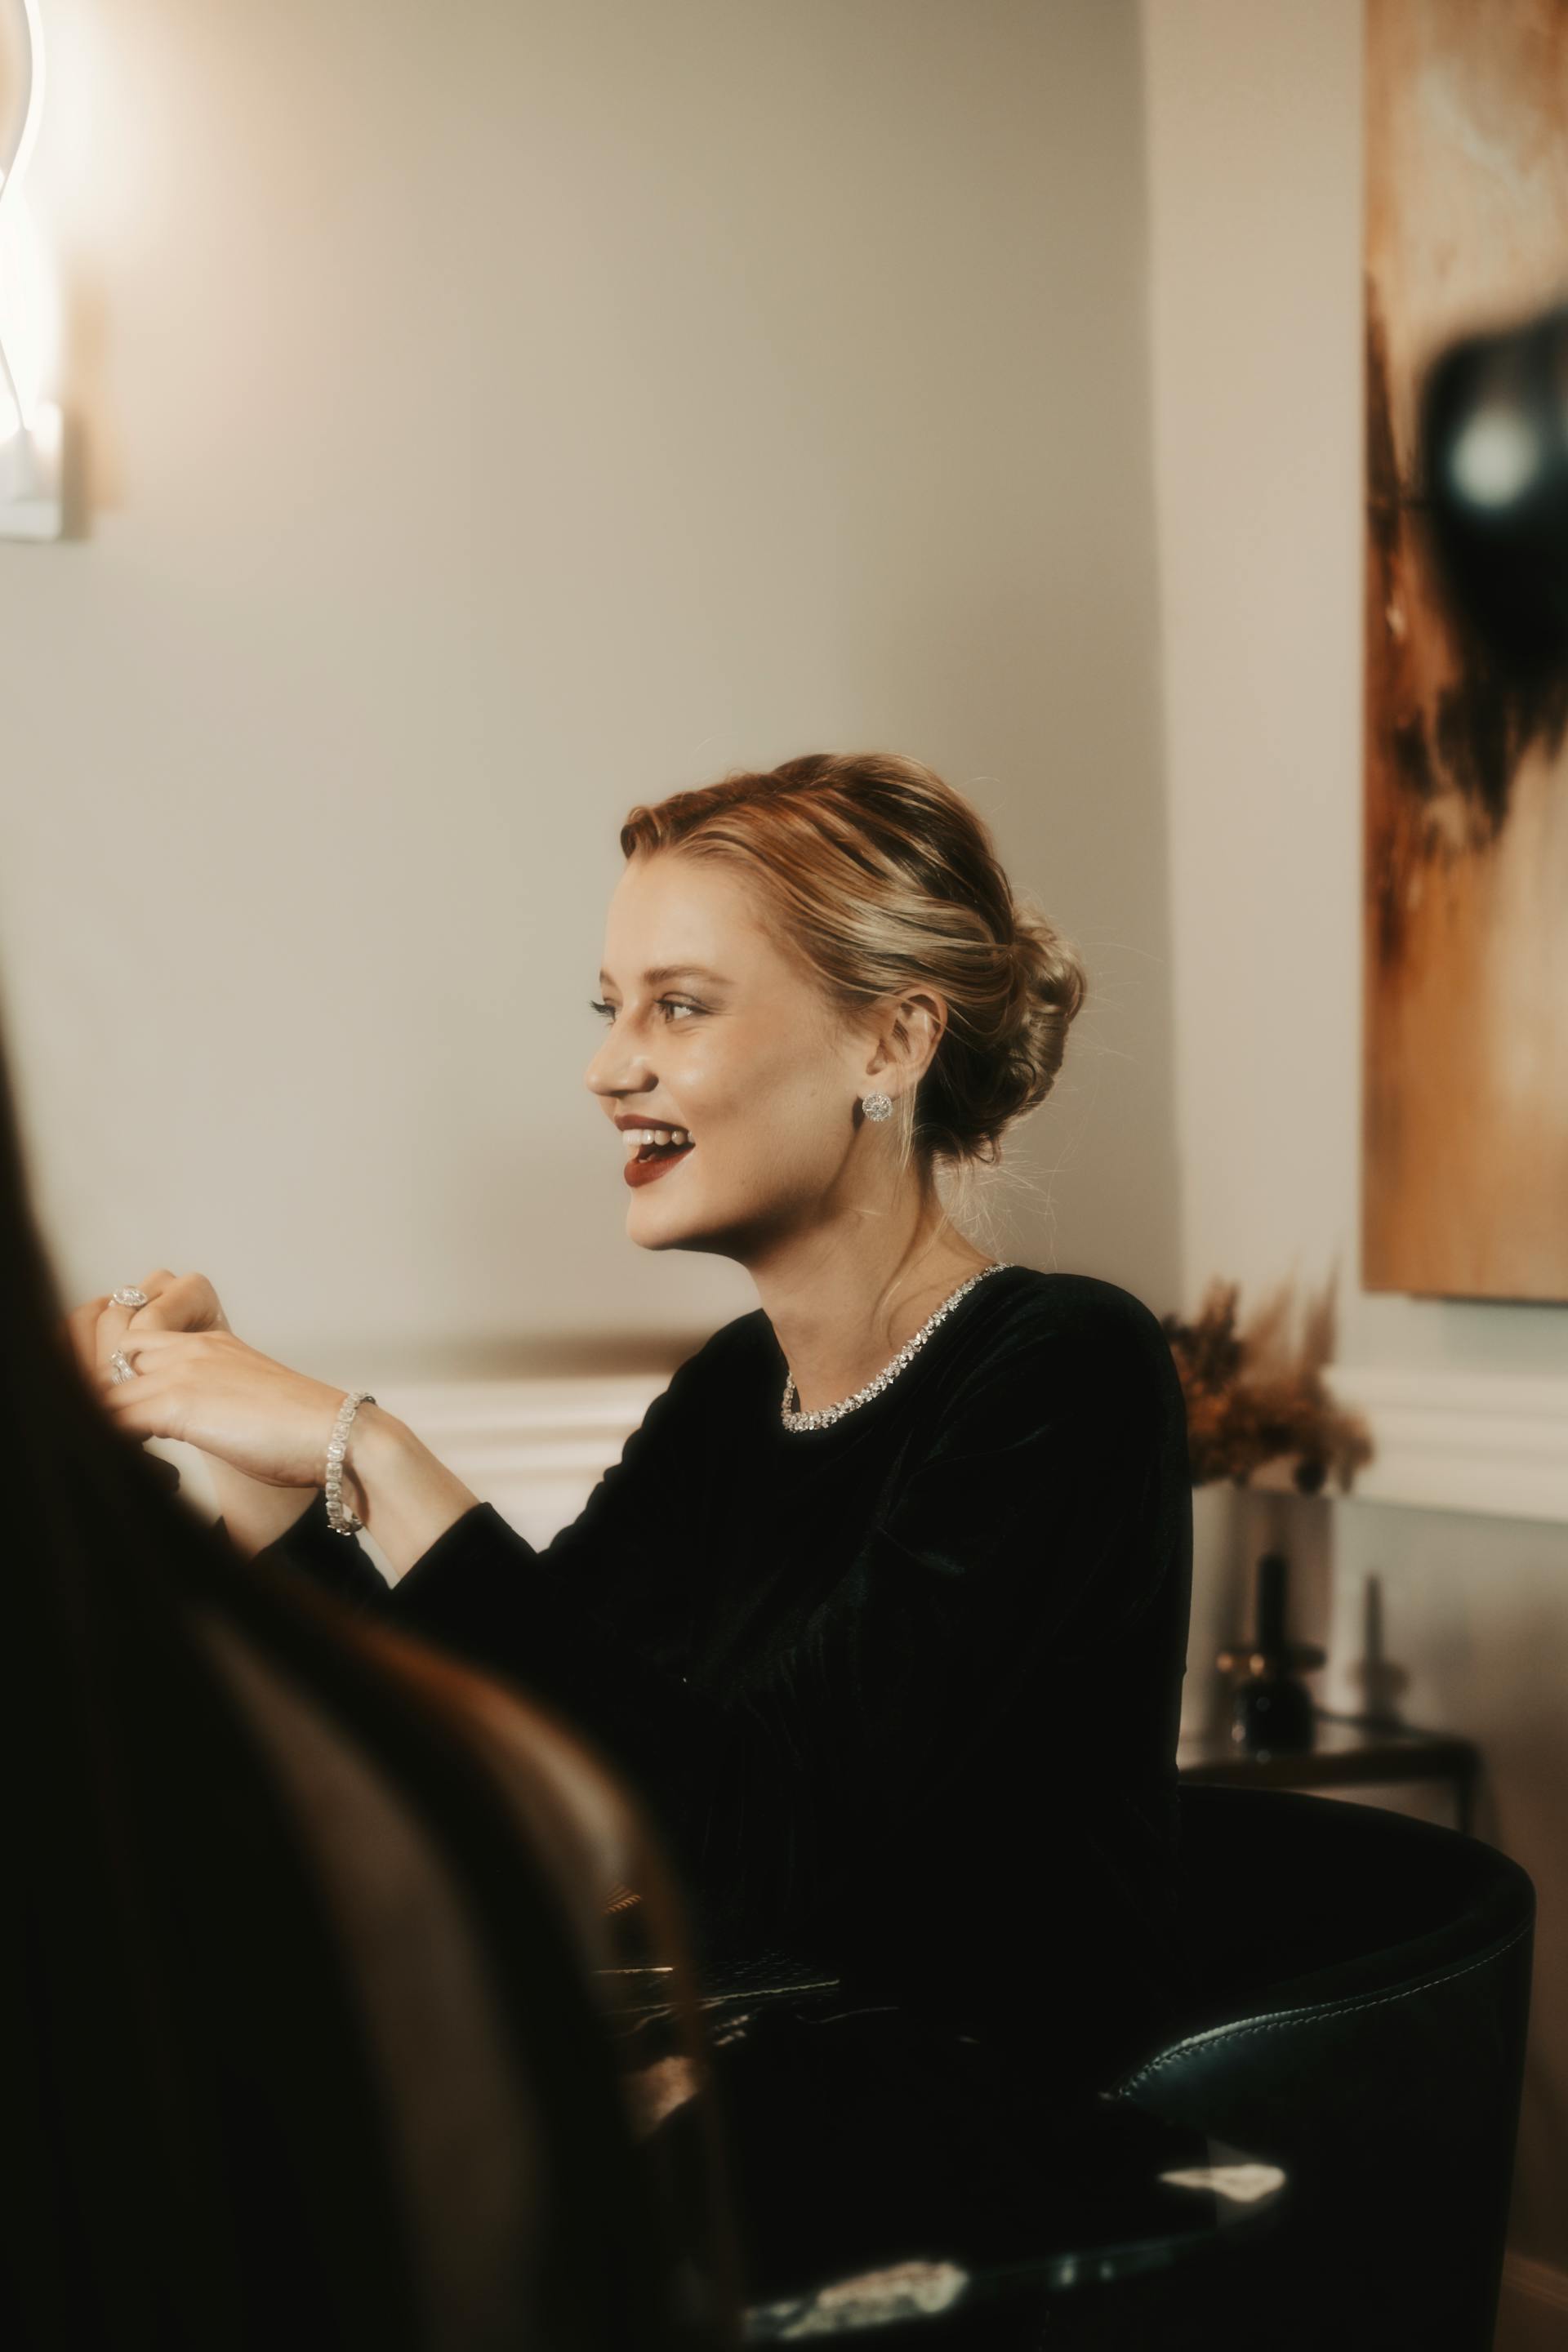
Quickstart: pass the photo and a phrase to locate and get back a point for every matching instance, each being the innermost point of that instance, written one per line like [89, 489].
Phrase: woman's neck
[840, 1315]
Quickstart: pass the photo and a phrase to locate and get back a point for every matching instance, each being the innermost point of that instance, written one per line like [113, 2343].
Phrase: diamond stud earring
[876, 1105]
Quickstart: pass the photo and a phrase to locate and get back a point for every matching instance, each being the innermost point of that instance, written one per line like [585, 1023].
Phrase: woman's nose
[610, 1073]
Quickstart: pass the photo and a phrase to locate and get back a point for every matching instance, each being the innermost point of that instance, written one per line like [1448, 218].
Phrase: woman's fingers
[145, 1408]
[181, 1302]
[175, 1302]
[114, 1321]
[215, 1392]
[149, 1349]
[185, 1302]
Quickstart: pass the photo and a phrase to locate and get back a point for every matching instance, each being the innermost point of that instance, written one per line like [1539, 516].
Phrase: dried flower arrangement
[1254, 1395]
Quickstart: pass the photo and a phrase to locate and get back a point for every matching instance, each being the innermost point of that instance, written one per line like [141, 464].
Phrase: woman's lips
[646, 1171]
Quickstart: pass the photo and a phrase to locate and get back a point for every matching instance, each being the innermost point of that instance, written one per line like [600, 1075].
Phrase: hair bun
[1014, 1071]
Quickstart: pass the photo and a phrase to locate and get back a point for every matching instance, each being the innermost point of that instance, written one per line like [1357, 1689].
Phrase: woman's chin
[646, 1214]
[667, 1224]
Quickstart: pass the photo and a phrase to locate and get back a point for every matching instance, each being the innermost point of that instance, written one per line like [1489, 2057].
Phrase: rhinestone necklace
[828, 1413]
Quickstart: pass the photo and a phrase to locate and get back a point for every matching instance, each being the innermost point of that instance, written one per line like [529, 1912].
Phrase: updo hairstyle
[879, 878]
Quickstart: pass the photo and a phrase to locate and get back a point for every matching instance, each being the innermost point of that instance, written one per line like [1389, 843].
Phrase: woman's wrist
[405, 1497]
[254, 1514]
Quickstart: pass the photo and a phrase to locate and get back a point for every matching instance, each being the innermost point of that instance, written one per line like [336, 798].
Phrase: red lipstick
[651, 1162]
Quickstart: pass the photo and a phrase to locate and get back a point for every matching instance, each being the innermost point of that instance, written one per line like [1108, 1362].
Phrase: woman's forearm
[395, 1485]
[390, 1481]
[253, 1513]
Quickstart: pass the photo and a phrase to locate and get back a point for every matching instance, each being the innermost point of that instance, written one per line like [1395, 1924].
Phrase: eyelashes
[666, 1005]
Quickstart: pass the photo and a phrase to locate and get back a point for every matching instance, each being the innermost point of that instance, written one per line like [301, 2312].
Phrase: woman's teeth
[634, 1138]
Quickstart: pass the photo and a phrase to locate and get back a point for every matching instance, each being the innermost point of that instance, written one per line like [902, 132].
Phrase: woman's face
[710, 1027]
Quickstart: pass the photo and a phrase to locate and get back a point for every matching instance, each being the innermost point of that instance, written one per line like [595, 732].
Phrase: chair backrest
[1363, 1994]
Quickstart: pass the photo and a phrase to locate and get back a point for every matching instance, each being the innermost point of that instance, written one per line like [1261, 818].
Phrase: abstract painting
[1464, 1036]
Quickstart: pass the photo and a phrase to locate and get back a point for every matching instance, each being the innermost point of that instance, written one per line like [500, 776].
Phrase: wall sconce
[30, 433]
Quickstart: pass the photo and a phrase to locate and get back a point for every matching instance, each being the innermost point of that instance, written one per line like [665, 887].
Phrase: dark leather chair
[1364, 1991]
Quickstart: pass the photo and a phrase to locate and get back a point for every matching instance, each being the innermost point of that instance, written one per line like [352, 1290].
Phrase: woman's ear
[907, 1043]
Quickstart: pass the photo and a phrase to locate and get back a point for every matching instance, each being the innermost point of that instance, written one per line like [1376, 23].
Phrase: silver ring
[129, 1296]
[124, 1370]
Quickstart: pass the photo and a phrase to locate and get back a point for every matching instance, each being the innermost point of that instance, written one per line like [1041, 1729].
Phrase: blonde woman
[884, 1607]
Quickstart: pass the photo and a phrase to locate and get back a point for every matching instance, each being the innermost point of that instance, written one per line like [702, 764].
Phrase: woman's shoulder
[1086, 1305]
[1053, 1326]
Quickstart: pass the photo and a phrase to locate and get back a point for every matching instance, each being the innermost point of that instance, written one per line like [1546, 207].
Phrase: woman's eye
[666, 1005]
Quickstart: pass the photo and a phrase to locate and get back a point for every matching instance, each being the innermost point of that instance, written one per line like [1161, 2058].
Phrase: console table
[1350, 1750]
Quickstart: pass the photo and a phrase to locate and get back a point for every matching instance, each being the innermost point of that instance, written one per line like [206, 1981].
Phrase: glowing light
[16, 231]
[30, 439]
[29, 323]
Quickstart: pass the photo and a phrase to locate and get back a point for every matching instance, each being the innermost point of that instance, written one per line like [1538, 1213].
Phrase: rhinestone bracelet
[343, 1521]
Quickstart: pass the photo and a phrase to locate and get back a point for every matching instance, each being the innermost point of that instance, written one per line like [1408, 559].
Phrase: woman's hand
[265, 1429]
[175, 1302]
[210, 1388]
[254, 1512]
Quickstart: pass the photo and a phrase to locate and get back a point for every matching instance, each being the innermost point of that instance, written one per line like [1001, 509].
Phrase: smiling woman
[844, 1607]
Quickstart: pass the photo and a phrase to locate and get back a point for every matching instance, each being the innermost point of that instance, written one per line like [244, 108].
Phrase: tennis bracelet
[341, 1521]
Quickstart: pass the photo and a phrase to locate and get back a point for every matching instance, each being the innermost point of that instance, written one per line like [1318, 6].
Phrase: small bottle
[1271, 1710]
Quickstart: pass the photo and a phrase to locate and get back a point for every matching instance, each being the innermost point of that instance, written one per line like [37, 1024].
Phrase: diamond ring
[124, 1370]
[129, 1296]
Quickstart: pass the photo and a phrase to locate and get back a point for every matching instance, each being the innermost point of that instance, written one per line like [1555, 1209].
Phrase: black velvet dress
[903, 1691]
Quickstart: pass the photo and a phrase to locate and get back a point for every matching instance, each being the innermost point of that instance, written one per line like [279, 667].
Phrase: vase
[1271, 1710]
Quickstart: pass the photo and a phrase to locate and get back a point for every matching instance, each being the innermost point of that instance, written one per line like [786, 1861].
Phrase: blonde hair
[878, 878]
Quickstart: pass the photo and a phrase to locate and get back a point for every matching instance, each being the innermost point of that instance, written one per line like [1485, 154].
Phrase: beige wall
[1255, 188]
[496, 414]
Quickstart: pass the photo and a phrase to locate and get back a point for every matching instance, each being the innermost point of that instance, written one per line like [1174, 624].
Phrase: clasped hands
[262, 1426]
[197, 1381]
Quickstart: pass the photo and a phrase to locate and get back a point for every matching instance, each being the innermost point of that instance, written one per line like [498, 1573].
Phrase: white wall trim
[1460, 1441]
[1445, 1441]
[535, 1448]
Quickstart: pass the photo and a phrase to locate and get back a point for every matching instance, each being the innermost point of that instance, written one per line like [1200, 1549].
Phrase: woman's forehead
[672, 917]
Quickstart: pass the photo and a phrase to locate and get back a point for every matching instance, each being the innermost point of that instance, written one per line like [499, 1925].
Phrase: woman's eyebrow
[656, 976]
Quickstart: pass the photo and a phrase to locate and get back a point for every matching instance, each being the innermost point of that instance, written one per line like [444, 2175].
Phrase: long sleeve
[311, 1547]
[565, 1622]
[925, 1743]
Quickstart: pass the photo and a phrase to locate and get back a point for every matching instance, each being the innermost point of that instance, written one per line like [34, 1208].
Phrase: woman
[311, 2021]
[884, 1607]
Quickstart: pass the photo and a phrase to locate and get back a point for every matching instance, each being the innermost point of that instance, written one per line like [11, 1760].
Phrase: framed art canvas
[1465, 1041]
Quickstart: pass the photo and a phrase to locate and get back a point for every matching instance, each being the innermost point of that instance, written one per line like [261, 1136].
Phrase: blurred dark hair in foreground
[301, 2029]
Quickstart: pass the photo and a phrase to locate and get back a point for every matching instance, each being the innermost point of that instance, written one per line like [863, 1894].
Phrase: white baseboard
[1460, 1441]
[1445, 1440]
